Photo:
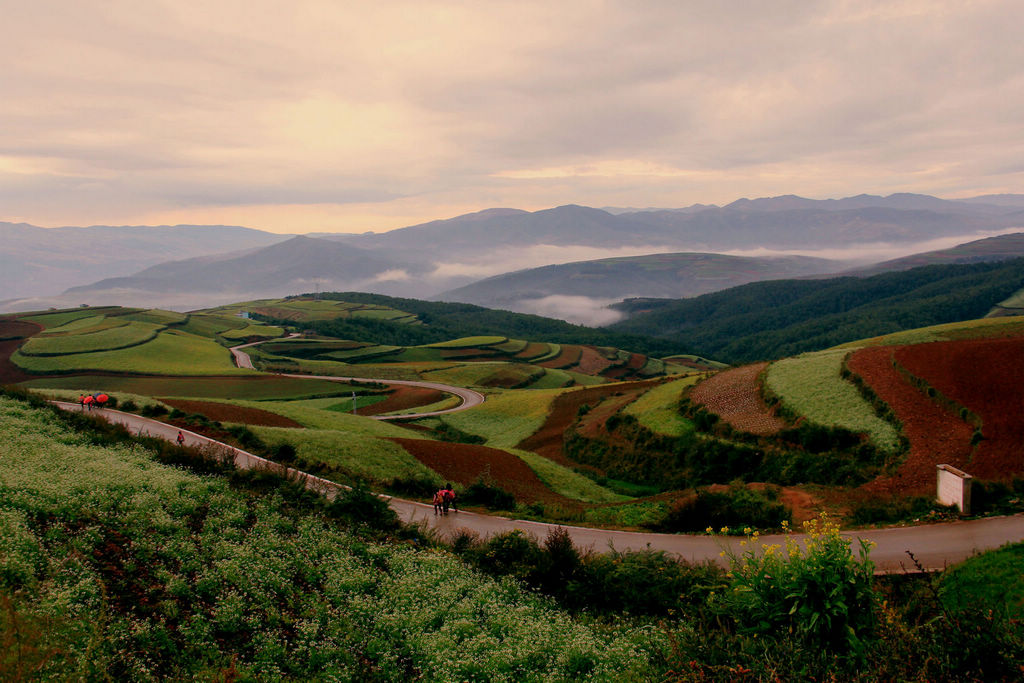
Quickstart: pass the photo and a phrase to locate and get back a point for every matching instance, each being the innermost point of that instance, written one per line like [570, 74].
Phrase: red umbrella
[89, 399]
[102, 398]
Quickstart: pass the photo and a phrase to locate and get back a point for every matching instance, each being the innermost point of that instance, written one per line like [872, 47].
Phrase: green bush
[361, 506]
[820, 593]
[739, 506]
[490, 496]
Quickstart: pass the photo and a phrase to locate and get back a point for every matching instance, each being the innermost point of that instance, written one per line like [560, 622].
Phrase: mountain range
[191, 266]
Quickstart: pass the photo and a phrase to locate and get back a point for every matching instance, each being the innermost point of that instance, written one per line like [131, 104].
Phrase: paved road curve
[469, 397]
[934, 545]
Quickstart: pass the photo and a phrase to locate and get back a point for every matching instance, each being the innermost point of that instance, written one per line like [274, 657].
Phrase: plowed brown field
[569, 356]
[986, 376]
[547, 441]
[465, 464]
[734, 395]
[9, 372]
[225, 412]
[592, 362]
[403, 398]
[935, 436]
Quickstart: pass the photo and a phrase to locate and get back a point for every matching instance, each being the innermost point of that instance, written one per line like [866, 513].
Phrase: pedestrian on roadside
[449, 498]
[180, 439]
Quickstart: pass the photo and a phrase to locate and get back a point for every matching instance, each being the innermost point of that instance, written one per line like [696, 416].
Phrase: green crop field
[254, 330]
[158, 316]
[120, 337]
[554, 379]
[506, 418]
[564, 481]
[56, 319]
[554, 350]
[172, 352]
[469, 342]
[473, 374]
[512, 346]
[968, 329]
[253, 387]
[811, 385]
[211, 325]
[354, 455]
[257, 589]
[316, 414]
[657, 409]
[88, 322]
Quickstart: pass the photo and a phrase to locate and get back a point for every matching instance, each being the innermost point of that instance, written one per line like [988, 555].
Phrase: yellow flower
[709, 530]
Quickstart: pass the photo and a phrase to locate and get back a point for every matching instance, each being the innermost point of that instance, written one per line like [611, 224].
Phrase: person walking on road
[180, 439]
[449, 498]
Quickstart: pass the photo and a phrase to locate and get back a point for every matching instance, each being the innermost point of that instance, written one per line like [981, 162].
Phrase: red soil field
[569, 356]
[592, 362]
[533, 350]
[636, 361]
[547, 441]
[986, 376]
[592, 424]
[466, 463]
[225, 412]
[9, 372]
[403, 398]
[936, 437]
[734, 395]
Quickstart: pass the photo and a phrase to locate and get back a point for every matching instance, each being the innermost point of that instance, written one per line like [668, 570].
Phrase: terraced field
[811, 385]
[735, 396]
[934, 434]
[657, 409]
[66, 340]
[171, 352]
[986, 376]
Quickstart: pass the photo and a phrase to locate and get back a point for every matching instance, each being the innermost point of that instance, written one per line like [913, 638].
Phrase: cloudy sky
[351, 116]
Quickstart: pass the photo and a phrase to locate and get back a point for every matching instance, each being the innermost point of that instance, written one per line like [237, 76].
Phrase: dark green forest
[444, 321]
[768, 320]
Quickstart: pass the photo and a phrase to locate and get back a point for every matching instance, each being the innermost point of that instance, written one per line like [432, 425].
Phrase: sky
[337, 116]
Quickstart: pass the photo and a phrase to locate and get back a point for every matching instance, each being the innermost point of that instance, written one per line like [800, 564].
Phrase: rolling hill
[765, 320]
[37, 262]
[657, 275]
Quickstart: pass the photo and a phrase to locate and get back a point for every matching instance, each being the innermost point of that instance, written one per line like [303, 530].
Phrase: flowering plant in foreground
[819, 590]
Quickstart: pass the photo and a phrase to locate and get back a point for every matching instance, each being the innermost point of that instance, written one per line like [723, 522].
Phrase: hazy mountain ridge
[443, 255]
[679, 275]
[46, 261]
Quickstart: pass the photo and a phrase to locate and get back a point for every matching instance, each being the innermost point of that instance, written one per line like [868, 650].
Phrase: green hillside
[768, 320]
[442, 322]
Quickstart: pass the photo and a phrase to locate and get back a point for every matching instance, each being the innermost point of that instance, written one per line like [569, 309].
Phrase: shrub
[821, 594]
[490, 496]
[153, 410]
[360, 506]
[739, 506]
[284, 453]
[129, 406]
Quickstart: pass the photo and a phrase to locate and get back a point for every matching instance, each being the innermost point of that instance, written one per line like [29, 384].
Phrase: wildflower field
[117, 567]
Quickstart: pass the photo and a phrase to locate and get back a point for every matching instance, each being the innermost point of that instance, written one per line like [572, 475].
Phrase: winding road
[469, 397]
[935, 545]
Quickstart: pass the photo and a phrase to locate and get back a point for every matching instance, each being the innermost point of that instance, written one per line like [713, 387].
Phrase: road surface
[469, 397]
[934, 545]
